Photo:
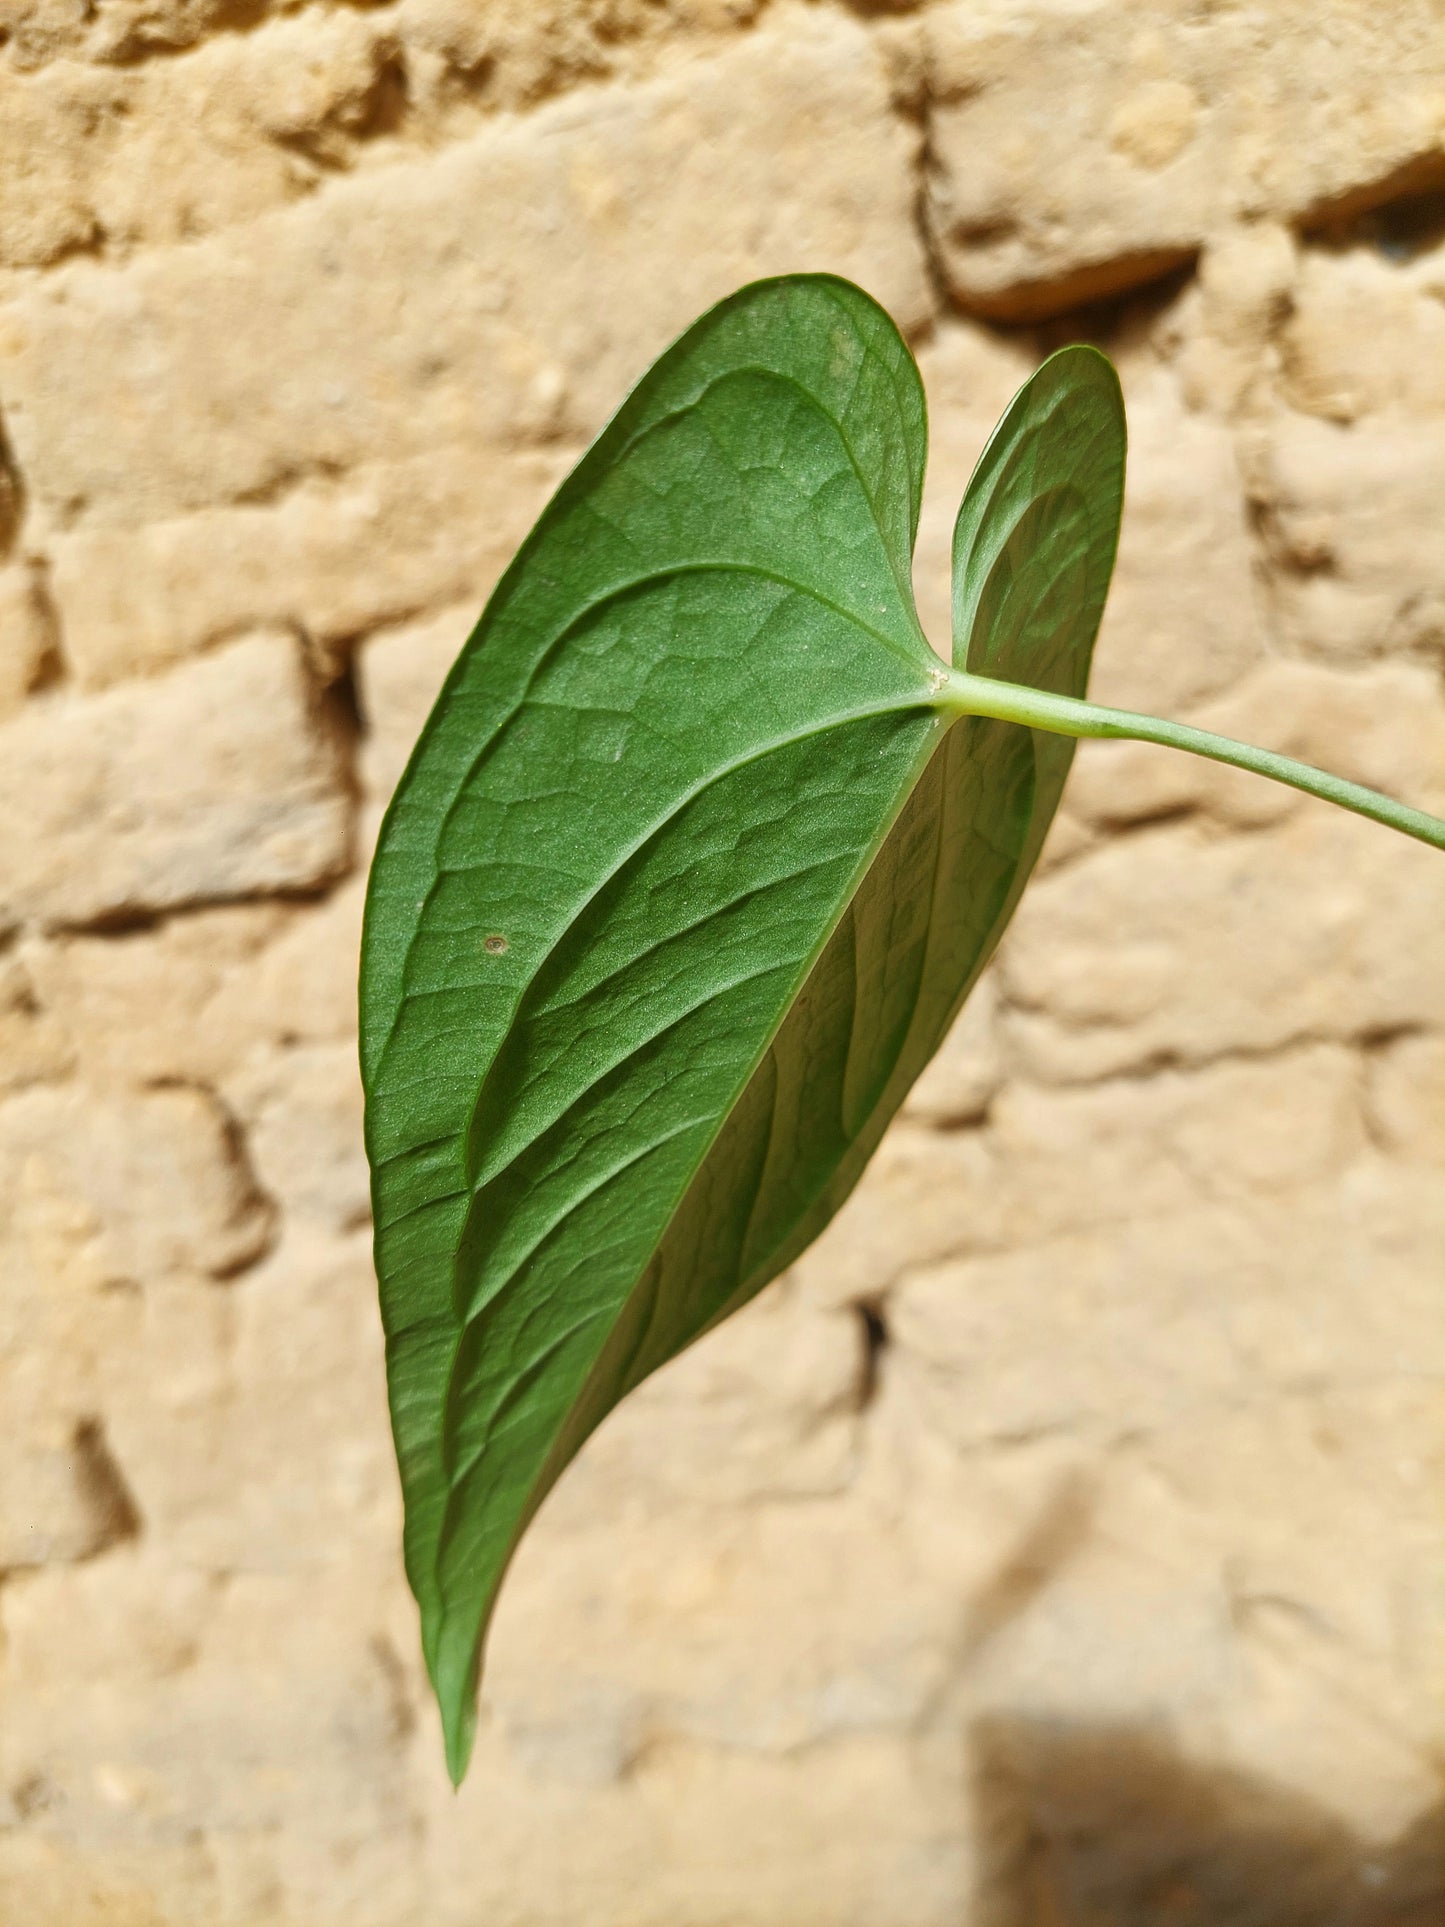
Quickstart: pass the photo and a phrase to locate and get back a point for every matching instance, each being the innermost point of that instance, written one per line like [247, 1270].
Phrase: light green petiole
[962, 694]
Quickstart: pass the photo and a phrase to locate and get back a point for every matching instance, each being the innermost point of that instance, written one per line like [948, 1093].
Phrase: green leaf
[688, 875]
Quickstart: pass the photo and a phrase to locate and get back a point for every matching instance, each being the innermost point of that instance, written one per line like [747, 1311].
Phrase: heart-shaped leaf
[686, 880]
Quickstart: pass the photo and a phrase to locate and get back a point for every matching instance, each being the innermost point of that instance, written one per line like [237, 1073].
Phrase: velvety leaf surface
[684, 883]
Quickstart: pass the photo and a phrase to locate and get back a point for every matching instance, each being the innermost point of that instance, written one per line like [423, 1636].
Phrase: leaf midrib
[482, 1180]
[475, 1182]
[897, 705]
[475, 1306]
[926, 752]
[616, 593]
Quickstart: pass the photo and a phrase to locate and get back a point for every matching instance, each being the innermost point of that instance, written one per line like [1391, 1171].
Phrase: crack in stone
[874, 1340]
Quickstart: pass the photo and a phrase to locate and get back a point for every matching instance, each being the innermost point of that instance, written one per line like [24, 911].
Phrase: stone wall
[1062, 1541]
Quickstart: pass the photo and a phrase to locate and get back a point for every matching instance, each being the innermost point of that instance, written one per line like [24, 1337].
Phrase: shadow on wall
[1103, 1827]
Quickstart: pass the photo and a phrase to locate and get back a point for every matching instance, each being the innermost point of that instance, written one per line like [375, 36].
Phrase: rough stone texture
[220, 780]
[1061, 1540]
[426, 306]
[1081, 148]
[337, 561]
[26, 637]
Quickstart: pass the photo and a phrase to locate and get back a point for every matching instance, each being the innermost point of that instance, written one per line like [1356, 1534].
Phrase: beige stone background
[1062, 1543]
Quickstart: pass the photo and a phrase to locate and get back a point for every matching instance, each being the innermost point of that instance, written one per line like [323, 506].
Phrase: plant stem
[967, 695]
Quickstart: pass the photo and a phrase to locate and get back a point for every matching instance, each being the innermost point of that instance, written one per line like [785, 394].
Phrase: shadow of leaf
[1108, 1827]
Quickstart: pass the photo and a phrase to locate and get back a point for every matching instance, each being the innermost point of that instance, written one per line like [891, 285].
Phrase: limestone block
[1004, 1182]
[104, 159]
[514, 53]
[1173, 1599]
[107, 145]
[398, 675]
[1361, 1452]
[1341, 507]
[660, 1650]
[426, 305]
[48, 130]
[1070, 1158]
[156, 1612]
[301, 1111]
[205, 996]
[1183, 618]
[332, 559]
[221, 781]
[1365, 333]
[1243, 1294]
[1340, 511]
[767, 1414]
[135, 28]
[159, 1181]
[1049, 1162]
[205, 1653]
[1383, 726]
[1177, 946]
[1038, 1166]
[815, 1847]
[1114, 786]
[56, 1308]
[168, 1005]
[251, 1421]
[180, 148]
[1079, 152]
[39, 30]
[317, 88]
[660, 1653]
[304, 987]
[1222, 331]
[62, 1496]
[47, 1877]
[508, 52]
